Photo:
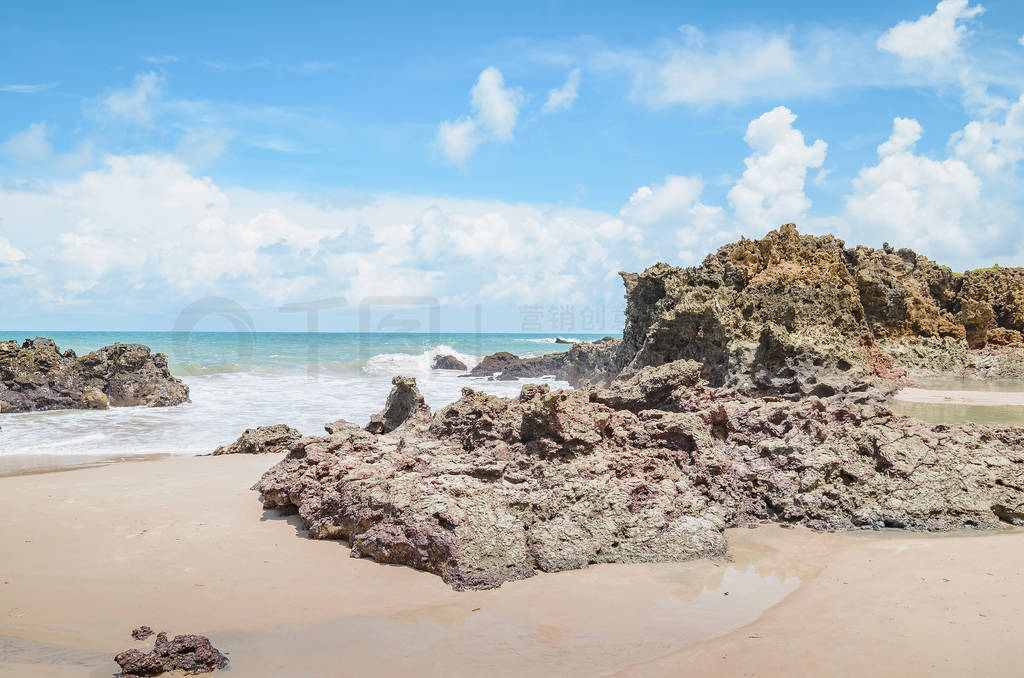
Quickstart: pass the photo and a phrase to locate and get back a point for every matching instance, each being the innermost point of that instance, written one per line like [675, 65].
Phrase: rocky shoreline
[36, 375]
[751, 388]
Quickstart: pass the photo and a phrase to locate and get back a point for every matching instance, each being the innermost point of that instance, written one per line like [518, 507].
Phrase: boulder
[448, 362]
[35, 375]
[262, 440]
[190, 654]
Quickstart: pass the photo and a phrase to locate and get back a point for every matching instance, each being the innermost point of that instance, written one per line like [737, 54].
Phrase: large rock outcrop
[796, 314]
[652, 468]
[37, 376]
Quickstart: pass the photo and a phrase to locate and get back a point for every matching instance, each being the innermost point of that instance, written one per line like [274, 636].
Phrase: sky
[164, 162]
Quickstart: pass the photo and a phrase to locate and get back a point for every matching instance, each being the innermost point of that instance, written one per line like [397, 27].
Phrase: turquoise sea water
[241, 380]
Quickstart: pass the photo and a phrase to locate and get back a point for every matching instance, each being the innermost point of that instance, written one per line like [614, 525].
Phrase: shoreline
[183, 545]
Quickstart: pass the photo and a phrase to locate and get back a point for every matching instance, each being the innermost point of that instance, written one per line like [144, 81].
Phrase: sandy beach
[183, 545]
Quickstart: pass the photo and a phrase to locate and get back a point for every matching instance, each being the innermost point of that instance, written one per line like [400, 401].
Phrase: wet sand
[954, 397]
[182, 545]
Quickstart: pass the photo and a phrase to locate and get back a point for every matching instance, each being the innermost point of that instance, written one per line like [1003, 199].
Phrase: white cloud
[32, 147]
[28, 146]
[161, 59]
[675, 206]
[771, 190]
[905, 133]
[939, 207]
[1021, 41]
[9, 254]
[135, 103]
[935, 36]
[145, 228]
[496, 106]
[993, 149]
[27, 89]
[458, 139]
[495, 113]
[562, 98]
[737, 67]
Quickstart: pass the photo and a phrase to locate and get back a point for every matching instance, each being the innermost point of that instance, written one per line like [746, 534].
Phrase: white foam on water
[413, 364]
[224, 404]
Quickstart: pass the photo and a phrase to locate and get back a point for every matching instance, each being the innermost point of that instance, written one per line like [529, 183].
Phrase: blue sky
[500, 156]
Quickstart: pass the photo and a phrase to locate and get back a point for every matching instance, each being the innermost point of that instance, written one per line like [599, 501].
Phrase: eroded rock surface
[190, 654]
[35, 375]
[650, 469]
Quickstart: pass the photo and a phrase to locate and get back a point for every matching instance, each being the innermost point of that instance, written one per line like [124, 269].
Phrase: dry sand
[182, 545]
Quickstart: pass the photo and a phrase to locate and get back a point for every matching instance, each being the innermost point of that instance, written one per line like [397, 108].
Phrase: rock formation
[652, 468]
[750, 388]
[190, 654]
[448, 362]
[261, 440]
[37, 376]
[404, 403]
[797, 314]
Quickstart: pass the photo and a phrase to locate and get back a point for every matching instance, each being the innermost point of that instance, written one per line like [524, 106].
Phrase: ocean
[241, 380]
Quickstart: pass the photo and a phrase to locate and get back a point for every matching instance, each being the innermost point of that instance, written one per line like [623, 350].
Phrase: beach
[182, 545]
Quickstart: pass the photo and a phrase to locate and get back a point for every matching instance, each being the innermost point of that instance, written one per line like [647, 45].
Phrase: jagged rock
[652, 468]
[904, 294]
[262, 440]
[190, 654]
[404, 403]
[37, 376]
[1002, 289]
[562, 340]
[448, 362]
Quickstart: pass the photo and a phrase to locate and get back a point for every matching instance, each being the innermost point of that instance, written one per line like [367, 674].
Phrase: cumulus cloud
[145, 228]
[135, 103]
[939, 207]
[936, 36]
[495, 113]
[771, 190]
[675, 206]
[905, 133]
[562, 98]
[992, 148]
